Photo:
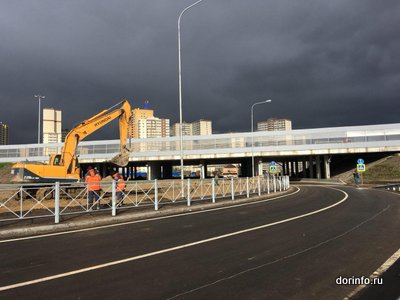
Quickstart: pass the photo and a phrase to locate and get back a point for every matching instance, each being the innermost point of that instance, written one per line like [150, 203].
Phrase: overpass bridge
[305, 152]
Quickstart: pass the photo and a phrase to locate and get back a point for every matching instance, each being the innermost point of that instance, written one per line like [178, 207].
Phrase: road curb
[96, 221]
[361, 289]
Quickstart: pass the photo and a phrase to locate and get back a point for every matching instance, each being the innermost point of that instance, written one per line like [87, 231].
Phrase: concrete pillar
[202, 172]
[259, 168]
[327, 167]
[311, 167]
[292, 168]
[246, 168]
[167, 171]
[304, 168]
[154, 171]
[318, 166]
[296, 166]
[284, 169]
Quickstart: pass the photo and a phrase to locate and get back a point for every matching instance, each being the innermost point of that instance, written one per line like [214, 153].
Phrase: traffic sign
[272, 163]
[361, 168]
[360, 161]
[272, 169]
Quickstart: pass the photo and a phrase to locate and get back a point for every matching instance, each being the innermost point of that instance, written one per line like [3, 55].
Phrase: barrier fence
[19, 202]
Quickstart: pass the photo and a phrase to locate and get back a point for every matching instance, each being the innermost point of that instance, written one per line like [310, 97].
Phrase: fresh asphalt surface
[297, 259]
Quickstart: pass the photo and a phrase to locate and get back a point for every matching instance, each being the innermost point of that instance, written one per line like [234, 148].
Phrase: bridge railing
[59, 201]
[342, 137]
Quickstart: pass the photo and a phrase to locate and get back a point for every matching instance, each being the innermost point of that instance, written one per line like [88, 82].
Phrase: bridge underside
[301, 166]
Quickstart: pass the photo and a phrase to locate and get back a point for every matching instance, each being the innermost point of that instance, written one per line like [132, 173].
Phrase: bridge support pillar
[311, 167]
[318, 166]
[304, 168]
[203, 171]
[259, 168]
[327, 167]
[153, 171]
[296, 167]
[292, 168]
[284, 168]
[246, 168]
[167, 171]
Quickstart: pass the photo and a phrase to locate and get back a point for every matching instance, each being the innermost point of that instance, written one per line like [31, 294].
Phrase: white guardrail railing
[55, 200]
[354, 137]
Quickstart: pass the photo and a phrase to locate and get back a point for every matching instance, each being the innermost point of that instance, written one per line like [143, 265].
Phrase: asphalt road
[268, 250]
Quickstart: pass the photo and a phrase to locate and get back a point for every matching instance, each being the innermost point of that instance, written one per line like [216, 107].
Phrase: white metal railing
[354, 137]
[56, 200]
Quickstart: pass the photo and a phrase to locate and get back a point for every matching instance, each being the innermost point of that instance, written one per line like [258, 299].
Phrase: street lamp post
[252, 130]
[39, 98]
[180, 87]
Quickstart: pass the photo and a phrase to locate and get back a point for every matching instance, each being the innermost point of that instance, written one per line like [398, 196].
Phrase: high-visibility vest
[120, 183]
[93, 181]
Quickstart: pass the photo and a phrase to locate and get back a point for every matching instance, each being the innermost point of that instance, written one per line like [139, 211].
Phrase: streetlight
[180, 87]
[39, 97]
[252, 130]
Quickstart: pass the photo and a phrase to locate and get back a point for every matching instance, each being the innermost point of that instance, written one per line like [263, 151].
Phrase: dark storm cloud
[323, 63]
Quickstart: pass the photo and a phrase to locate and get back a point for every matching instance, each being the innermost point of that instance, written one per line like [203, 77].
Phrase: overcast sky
[323, 63]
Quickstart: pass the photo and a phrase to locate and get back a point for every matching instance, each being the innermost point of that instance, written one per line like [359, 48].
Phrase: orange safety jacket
[120, 183]
[93, 181]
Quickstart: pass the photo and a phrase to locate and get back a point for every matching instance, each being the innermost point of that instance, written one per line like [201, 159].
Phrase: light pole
[252, 130]
[180, 87]
[39, 97]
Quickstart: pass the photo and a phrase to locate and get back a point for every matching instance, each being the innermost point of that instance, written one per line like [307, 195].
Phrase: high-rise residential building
[153, 128]
[64, 133]
[4, 138]
[200, 127]
[145, 125]
[274, 124]
[51, 125]
[187, 129]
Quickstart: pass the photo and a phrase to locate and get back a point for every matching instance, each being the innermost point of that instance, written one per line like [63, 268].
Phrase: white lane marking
[281, 258]
[129, 259]
[145, 220]
[377, 274]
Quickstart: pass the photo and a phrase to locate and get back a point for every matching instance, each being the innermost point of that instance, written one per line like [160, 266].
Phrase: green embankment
[386, 171]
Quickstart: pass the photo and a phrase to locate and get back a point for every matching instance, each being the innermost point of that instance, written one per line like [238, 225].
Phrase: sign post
[361, 168]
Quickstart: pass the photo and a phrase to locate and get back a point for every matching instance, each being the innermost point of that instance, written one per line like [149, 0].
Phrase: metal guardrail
[387, 135]
[56, 200]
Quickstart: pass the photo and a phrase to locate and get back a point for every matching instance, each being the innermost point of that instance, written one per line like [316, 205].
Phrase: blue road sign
[361, 168]
[272, 163]
[360, 161]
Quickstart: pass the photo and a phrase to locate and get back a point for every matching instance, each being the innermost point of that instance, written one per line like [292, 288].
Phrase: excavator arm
[87, 127]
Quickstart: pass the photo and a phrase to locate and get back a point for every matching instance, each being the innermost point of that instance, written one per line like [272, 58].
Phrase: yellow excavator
[64, 167]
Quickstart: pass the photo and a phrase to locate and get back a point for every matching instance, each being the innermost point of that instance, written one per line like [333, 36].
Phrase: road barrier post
[213, 189]
[259, 185]
[268, 184]
[57, 203]
[20, 202]
[274, 184]
[280, 183]
[113, 197]
[188, 194]
[155, 194]
[247, 187]
[232, 189]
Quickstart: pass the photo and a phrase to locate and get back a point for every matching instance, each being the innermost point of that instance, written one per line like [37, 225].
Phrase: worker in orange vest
[120, 188]
[92, 180]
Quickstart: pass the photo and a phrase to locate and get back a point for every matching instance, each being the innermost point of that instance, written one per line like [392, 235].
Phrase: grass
[388, 171]
[2, 165]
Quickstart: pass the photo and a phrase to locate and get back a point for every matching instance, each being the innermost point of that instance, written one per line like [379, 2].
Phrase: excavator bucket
[121, 159]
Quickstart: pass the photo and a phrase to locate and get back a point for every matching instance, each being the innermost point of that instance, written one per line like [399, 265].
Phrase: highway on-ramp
[292, 247]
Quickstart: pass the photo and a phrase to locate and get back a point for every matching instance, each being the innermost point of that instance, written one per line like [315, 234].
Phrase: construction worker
[92, 180]
[120, 188]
